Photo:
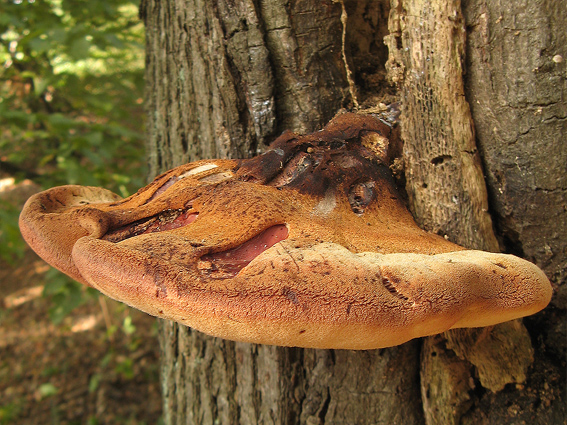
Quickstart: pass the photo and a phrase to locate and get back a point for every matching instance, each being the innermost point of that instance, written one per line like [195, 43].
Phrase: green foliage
[11, 244]
[65, 294]
[71, 91]
[92, 421]
[71, 83]
[9, 413]
[125, 367]
[94, 382]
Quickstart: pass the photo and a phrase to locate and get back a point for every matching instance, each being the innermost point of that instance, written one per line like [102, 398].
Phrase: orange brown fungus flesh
[168, 220]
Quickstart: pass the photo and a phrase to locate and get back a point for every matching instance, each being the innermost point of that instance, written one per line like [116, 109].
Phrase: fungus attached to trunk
[307, 245]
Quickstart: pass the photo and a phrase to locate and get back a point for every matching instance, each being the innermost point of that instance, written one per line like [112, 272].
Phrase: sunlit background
[71, 112]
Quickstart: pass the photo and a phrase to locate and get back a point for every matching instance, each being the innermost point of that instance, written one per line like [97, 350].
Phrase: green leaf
[47, 390]
[39, 45]
[79, 48]
[127, 326]
[125, 368]
[65, 295]
[93, 420]
[94, 138]
[94, 382]
[55, 282]
[39, 85]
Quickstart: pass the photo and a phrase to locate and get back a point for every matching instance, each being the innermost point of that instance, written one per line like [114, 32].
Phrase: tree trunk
[225, 77]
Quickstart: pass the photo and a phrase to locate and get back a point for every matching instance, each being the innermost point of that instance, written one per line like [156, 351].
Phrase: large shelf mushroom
[307, 245]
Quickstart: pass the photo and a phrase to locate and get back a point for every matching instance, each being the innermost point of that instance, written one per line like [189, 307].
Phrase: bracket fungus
[308, 244]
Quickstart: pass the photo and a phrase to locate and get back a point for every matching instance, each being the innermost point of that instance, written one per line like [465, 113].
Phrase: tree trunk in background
[226, 77]
[517, 89]
[447, 194]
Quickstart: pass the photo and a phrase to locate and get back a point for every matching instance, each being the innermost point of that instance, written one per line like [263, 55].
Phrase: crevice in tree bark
[348, 72]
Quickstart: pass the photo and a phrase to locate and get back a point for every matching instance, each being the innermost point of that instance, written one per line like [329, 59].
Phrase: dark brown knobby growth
[307, 245]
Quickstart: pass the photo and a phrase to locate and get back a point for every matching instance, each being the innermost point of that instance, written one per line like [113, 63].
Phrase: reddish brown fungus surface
[309, 244]
[168, 220]
[228, 263]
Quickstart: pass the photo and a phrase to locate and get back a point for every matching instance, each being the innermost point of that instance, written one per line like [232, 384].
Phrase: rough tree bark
[225, 77]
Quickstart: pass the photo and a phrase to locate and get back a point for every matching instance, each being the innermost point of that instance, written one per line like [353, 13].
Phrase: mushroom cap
[308, 245]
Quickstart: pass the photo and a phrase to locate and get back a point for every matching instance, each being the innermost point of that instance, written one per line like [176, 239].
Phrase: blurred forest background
[71, 112]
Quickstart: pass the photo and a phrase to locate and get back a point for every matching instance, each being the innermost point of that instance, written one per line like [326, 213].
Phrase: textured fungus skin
[307, 245]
